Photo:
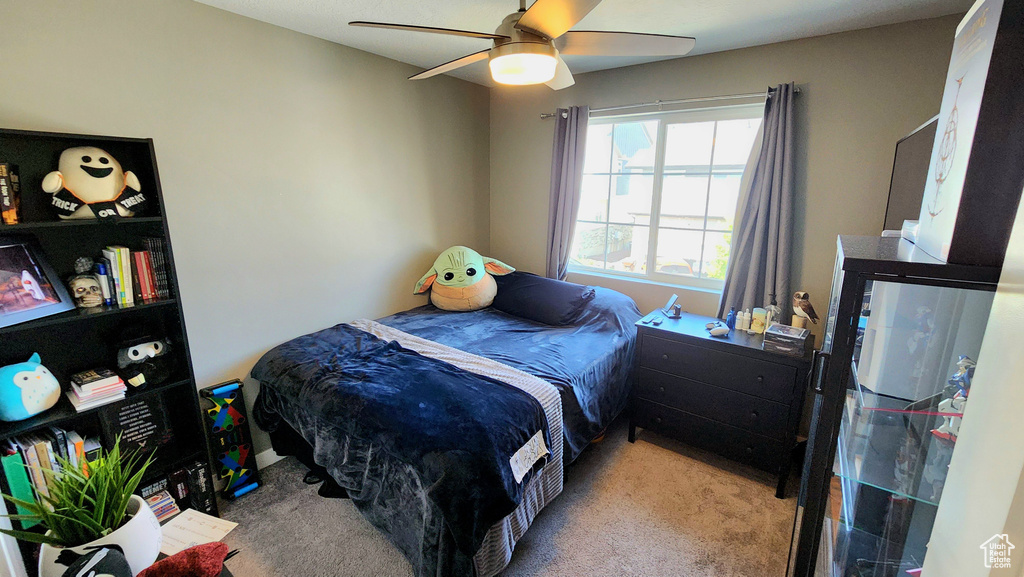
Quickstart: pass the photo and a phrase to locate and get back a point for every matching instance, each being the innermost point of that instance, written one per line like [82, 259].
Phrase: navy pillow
[540, 299]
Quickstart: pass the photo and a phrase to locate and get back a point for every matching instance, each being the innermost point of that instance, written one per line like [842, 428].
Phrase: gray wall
[306, 183]
[862, 91]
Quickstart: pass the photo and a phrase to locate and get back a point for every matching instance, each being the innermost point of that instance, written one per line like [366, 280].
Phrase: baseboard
[267, 458]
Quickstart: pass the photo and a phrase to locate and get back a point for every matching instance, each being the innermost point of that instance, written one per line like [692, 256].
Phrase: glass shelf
[887, 444]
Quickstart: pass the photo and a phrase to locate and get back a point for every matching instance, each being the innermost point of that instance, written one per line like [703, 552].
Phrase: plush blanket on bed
[369, 406]
[589, 361]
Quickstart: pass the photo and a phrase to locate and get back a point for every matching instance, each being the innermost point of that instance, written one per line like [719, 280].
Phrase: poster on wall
[958, 120]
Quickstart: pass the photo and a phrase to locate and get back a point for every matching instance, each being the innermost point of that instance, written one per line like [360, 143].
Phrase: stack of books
[162, 505]
[95, 388]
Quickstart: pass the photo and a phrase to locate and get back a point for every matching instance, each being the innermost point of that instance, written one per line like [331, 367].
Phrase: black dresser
[725, 395]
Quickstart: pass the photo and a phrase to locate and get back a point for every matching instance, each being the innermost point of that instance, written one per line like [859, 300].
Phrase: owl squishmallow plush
[26, 389]
[89, 183]
[461, 280]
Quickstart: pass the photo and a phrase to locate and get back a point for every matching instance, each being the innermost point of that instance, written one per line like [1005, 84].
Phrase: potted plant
[91, 507]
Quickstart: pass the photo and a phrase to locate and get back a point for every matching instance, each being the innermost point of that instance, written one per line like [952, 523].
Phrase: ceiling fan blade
[449, 66]
[552, 18]
[563, 77]
[430, 29]
[589, 43]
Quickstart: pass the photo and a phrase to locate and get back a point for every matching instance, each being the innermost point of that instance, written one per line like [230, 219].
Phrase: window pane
[588, 245]
[599, 149]
[631, 198]
[688, 144]
[725, 190]
[594, 198]
[679, 252]
[627, 248]
[716, 254]
[734, 140]
[634, 146]
[683, 200]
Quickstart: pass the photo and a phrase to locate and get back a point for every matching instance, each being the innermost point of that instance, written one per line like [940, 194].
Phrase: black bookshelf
[83, 339]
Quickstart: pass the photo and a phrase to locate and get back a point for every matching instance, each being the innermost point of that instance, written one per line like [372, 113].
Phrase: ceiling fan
[529, 43]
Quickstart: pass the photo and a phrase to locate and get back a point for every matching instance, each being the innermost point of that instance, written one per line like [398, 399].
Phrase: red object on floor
[199, 561]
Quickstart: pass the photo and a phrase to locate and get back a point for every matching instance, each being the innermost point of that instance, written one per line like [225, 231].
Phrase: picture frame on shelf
[29, 287]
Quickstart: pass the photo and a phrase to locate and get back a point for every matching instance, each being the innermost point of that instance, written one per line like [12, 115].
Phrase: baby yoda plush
[26, 389]
[89, 183]
[459, 280]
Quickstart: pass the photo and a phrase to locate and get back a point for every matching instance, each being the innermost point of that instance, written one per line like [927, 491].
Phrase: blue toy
[26, 389]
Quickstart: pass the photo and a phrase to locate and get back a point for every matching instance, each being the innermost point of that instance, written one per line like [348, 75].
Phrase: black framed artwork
[29, 288]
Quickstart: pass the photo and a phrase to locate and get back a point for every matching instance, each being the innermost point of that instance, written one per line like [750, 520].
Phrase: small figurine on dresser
[802, 310]
[89, 183]
[140, 358]
[85, 288]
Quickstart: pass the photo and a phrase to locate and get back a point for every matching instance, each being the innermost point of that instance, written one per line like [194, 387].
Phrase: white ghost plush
[89, 183]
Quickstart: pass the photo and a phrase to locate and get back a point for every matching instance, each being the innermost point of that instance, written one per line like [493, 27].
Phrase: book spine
[60, 442]
[19, 483]
[129, 289]
[155, 246]
[147, 263]
[102, 276]
[78, 443]
[115, 274]
[8, 197]
[35, 469]
[200, 490]
[177, 485]
[137, 292]
[43, 464]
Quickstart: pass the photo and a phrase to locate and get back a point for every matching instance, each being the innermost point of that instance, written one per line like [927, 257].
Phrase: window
[659, 194]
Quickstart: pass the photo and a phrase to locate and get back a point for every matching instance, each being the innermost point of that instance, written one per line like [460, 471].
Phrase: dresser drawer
[752, 376]
[730, 442]
[746, 412]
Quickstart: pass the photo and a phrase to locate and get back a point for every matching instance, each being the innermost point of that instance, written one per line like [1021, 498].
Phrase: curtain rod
[671, 102]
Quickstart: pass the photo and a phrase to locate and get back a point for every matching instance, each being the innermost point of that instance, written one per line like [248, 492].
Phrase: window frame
[664, 119]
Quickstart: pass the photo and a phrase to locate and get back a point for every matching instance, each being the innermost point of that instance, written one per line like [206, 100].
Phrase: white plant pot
[139, 540]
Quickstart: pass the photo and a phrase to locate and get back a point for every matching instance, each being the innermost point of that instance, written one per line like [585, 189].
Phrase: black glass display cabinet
[893, 371]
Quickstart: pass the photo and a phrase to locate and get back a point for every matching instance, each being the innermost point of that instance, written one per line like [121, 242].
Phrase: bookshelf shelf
[84, 315]
[84, 339]
[33, 226]
[63, 412]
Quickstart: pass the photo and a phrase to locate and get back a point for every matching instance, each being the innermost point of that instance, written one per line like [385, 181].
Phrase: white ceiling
[716, 24]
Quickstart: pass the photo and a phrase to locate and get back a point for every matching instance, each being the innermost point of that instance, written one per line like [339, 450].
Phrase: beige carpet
[654, 508]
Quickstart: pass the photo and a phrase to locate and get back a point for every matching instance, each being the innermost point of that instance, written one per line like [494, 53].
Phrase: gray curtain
[566, 176]
[759, 259]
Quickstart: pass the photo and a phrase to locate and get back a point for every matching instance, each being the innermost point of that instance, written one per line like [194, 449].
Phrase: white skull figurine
[86, 291]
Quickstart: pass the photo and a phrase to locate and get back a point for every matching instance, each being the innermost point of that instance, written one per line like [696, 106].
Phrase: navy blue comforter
[456, 429]
[589, 362]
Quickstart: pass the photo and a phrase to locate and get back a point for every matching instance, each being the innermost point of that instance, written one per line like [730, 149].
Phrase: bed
[451, 431]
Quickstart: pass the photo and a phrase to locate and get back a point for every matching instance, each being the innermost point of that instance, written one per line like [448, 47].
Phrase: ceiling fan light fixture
[523, 63]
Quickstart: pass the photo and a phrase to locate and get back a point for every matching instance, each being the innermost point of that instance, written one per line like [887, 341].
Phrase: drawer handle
[753, 415]
[664, 357]
[661, 389]
[657, 420]
[750, 450]
[760, 379]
